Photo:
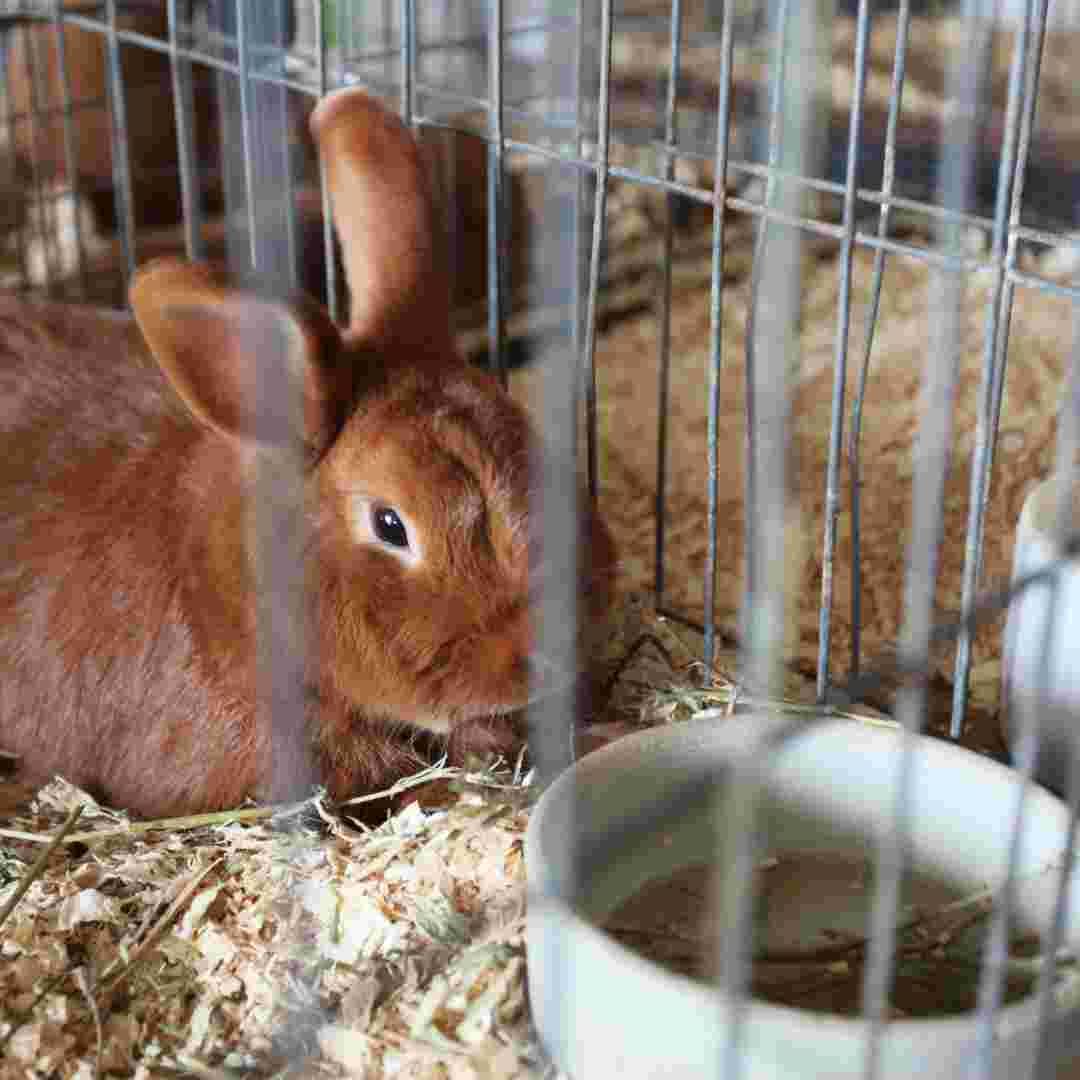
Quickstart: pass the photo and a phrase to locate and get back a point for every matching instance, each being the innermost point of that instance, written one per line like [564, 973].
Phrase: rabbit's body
[100, 590]
[139, 463]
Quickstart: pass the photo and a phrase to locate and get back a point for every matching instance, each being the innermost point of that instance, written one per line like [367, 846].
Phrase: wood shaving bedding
[260, 946]
[1040, 335]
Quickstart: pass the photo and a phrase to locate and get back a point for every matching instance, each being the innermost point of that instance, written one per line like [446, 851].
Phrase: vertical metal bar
[184, 112]
[1014, 153]
[738, 823]
[737, 814]
[388, 27]
[38, 204]
[70, 161]
[1051, 1026]
[719, 209]
[345, 30]
[551, 726]
[582, 52]
[762, 622]
[247, 133]
[588, 360]
[281, 92]
[125, 209]
[664, 388]
[888, 172]
[496, 194]
[8, 126]
[757, 268]
[927, 502]
[267, 124]
[408, 60]
[550, 719]
[777, 268]
[324, 192]
[230, 135]
[930, 460]
[279, 531]
[1029, 711]
[995, 953]
[840, 354]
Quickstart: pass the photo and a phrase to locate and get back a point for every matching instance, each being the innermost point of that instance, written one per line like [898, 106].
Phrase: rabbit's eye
[388, 527]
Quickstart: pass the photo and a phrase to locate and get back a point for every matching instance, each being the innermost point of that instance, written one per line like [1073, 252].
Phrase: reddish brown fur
[404, 299]
[127, 625]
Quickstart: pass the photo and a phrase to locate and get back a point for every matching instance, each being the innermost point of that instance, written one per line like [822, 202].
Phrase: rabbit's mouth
[475, 679]
[546, 679]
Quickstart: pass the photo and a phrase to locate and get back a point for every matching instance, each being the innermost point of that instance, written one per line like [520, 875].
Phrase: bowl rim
[1017, 1017]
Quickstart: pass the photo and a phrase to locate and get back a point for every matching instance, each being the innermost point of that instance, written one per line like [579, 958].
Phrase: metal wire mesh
[534, 81]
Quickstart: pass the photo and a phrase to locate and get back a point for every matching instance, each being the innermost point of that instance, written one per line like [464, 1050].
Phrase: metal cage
[196, 113]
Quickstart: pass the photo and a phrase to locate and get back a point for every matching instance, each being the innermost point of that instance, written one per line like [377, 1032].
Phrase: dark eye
[388, 527]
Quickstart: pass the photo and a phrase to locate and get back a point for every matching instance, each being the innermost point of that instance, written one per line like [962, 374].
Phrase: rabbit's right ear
[256, 369]
[385, 218]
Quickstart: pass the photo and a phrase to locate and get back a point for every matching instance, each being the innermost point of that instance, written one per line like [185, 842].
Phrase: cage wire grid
[534, 80]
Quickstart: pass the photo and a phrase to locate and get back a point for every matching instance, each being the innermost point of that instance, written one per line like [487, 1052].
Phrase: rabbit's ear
[383, 210]
[260, 370]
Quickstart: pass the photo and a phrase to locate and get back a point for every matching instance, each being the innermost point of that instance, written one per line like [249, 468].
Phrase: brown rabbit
[128, 628]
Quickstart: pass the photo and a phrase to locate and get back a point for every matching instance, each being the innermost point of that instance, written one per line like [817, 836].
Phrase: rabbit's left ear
[260, 370]
[382, 206]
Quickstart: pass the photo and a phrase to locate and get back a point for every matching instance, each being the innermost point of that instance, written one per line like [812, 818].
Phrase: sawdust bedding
[292, 947]
[1039, 337]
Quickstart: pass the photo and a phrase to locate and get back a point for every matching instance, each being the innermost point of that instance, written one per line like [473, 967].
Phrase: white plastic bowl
[1025, 634]
[603, 1010]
